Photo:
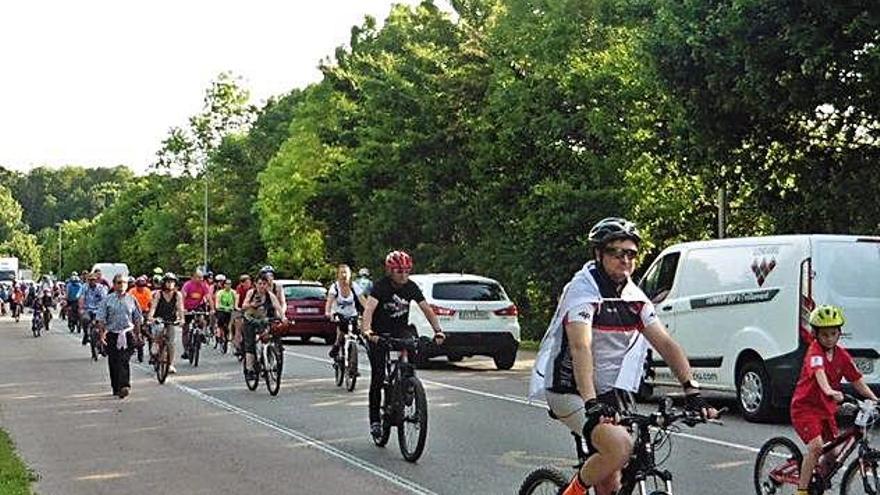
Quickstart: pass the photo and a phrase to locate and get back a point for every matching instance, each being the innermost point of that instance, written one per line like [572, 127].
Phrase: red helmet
[398, 260]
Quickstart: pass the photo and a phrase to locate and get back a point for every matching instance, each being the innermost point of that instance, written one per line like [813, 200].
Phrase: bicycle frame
[395, 368]
[349, 336]
[789, 473]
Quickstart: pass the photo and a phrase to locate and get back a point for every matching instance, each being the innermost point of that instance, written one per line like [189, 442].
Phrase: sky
[99, 83]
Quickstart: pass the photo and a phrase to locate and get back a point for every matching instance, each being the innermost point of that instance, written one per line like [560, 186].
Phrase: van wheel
[754, 392]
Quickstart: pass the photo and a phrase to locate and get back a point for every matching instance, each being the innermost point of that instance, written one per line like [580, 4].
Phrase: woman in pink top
[196, 297]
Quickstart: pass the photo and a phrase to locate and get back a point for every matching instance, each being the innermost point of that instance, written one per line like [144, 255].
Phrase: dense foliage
[489, 139]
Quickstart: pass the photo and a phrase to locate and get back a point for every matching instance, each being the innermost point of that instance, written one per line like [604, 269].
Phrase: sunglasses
[622, 253]
[400, 271]
[121, 282]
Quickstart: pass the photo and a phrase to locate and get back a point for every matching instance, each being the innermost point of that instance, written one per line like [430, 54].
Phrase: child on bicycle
[818, 389]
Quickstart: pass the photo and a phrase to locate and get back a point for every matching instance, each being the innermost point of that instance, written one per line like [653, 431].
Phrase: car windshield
[468, 290]
[7, 275]
[305, 292]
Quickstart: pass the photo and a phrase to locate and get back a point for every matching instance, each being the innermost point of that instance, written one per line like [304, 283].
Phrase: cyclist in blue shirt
[89, 302]
[73, 290]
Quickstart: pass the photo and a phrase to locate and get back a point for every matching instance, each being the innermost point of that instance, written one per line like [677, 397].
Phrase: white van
[739, 309]
[109, 270]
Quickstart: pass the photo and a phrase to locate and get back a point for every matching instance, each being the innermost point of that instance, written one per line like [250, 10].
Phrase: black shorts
[223, 318]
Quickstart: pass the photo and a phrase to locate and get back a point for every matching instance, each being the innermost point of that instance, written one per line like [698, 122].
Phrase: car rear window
[468, 290]
[303, 292]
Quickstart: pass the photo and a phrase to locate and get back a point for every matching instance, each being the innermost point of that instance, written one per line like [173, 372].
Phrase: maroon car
[305, 307]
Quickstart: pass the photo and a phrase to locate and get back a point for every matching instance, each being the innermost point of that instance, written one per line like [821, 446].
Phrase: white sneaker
[172, 370]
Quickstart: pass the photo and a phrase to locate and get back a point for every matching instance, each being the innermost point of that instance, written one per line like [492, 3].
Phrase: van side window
[658, 281]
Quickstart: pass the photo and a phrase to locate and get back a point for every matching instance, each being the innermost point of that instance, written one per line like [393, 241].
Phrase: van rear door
[847, 274]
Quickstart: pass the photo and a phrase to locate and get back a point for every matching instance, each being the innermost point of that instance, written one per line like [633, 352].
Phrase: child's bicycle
[778, 466]
[652, 435]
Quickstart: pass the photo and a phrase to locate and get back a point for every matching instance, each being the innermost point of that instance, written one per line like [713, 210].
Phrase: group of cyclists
[590, 359]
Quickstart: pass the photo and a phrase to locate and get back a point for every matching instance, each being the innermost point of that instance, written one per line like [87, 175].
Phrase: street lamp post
[205, 237]
[60, 259]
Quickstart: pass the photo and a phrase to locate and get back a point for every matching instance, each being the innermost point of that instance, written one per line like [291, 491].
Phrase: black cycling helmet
[613, 229]
[169, 276]
[267, 269]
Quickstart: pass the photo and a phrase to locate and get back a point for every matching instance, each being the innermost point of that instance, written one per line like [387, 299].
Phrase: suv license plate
[308, 310]
[865, 365]
[473, 315]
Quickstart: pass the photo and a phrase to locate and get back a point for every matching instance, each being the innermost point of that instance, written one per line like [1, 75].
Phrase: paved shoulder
[56, 405]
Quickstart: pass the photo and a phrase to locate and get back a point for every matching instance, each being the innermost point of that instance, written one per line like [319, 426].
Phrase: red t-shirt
[242, 291]
[808, 398]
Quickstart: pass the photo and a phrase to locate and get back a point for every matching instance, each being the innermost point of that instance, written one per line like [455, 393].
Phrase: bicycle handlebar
[663, 418]
[161, 321]
[340, 317]
[409, 343]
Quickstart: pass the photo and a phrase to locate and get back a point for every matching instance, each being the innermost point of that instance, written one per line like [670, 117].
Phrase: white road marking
[527, 402]
[304, 439]
[309, 441]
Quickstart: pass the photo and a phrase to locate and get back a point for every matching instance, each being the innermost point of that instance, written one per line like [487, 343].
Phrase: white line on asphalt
[518, 400]
[309, 441]
[301, 437]
[538, 404]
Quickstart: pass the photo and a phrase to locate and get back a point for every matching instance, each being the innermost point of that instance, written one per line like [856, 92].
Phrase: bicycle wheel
[251, 383]
[861, 477]
[274, 367]
[161, 365]
[92, 345]
[196, 350]
[339, 368]
[351, 365]
[777, 467]
[544, 481]
[385, 418]
[412, 433]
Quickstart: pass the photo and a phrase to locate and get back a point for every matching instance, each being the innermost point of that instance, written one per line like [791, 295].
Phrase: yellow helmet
[827, 316]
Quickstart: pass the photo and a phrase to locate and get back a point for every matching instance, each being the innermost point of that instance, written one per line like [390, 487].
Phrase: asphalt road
[204, 432]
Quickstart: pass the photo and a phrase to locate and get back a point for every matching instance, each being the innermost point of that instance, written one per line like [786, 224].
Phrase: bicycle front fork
[666, 476]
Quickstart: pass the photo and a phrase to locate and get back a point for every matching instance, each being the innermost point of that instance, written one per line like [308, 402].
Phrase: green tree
[783, 102]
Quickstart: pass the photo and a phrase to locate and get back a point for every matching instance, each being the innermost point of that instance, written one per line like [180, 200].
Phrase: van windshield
[854, 269]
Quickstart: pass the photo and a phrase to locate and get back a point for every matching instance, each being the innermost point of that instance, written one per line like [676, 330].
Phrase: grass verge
[529, 345]
[15, 478]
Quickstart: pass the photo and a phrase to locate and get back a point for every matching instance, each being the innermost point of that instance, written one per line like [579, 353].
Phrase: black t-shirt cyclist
[392, 313]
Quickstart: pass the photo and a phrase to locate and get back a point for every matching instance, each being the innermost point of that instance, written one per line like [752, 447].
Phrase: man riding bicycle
[73, 290]
[89, 302]
[196, 297]
[144, 297]
[593, 349]
[387, 309]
